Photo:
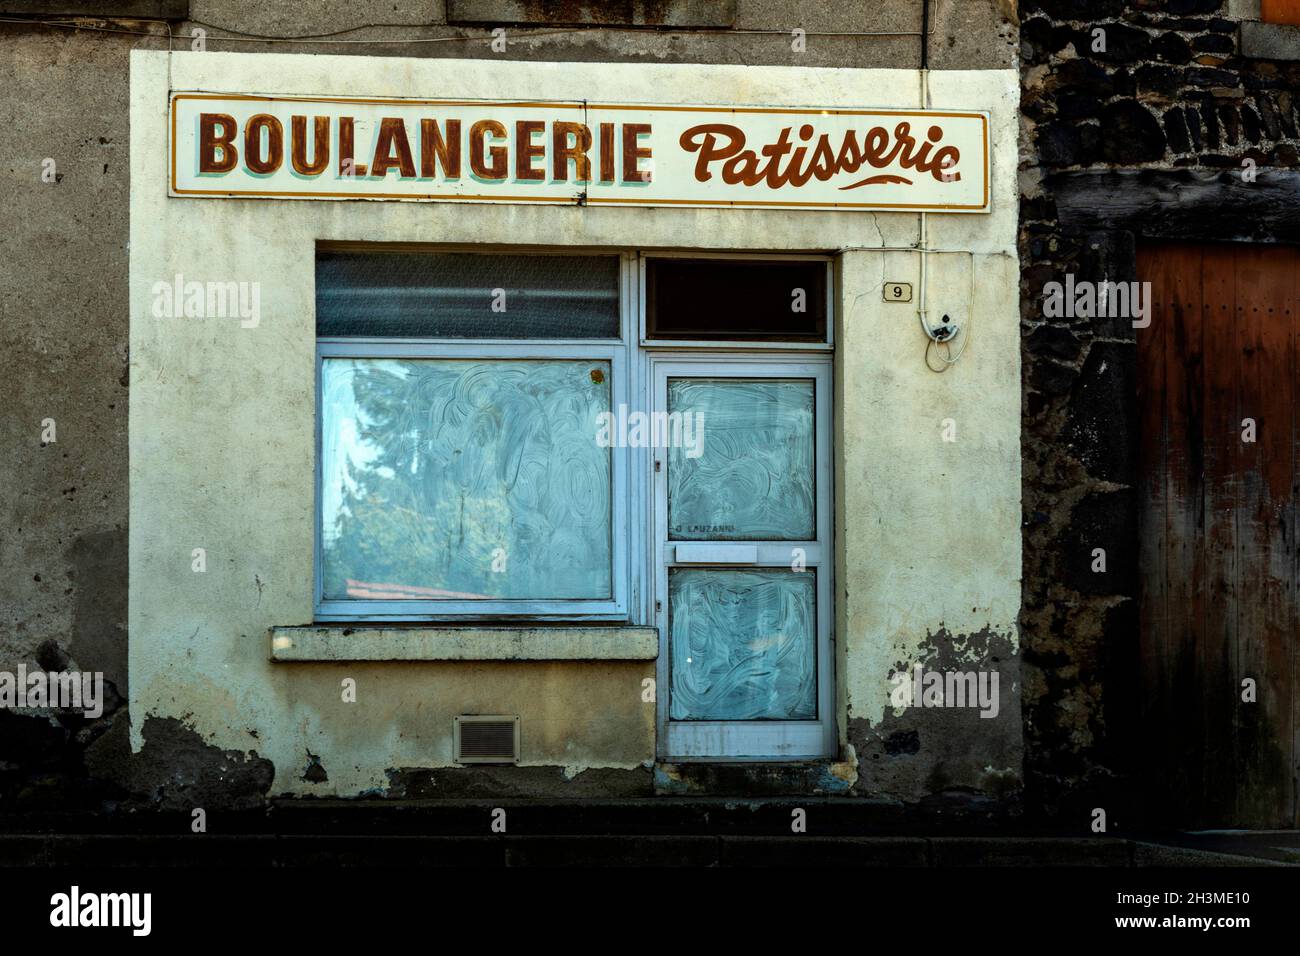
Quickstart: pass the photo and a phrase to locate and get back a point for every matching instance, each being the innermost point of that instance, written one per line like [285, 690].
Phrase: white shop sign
[574, 152]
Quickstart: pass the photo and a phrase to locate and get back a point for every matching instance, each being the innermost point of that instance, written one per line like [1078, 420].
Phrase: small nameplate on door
[717, 554]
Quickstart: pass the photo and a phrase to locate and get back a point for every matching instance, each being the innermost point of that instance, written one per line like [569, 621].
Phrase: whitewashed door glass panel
[754, 480]
[746, 639]
[744, 644]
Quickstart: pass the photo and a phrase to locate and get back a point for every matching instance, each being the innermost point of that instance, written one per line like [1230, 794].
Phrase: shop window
[465, 478]
[520, 437]
[461, 478]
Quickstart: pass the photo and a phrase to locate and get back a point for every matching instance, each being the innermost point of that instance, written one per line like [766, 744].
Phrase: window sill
[328, 643]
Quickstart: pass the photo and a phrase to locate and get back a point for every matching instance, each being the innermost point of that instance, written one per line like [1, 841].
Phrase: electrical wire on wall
[525, 32]
[942, 347]
[940, 337]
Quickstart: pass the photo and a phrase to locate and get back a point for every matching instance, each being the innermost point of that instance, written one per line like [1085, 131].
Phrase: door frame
[757, 740]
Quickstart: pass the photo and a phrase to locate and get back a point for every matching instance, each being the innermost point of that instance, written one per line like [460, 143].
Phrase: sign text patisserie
[554, 152]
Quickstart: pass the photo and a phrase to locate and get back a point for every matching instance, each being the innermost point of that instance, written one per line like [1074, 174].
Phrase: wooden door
[1280, 11]
[1217, 391]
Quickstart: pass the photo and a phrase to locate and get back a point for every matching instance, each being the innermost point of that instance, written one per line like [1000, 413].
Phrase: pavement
[655, 832]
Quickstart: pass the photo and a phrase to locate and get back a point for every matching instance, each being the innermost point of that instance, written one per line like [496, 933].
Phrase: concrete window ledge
[346, 642]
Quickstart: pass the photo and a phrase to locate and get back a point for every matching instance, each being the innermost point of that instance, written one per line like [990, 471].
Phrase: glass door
[742, 486]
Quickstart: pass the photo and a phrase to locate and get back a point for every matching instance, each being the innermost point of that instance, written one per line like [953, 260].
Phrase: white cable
[922, 240]
[950, 360]
[934, 342]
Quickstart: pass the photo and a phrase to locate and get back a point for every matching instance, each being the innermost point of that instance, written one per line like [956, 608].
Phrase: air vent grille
[487, 739]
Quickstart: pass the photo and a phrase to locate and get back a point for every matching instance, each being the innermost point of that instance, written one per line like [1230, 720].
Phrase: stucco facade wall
[222, 420]
[64, 318]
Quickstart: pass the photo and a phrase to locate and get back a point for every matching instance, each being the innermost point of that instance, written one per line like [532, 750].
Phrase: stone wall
[1111, 84]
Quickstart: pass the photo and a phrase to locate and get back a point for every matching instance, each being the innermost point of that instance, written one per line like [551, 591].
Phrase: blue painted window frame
[626, 504]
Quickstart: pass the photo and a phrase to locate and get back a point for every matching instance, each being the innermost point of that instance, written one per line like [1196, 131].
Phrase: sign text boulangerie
[567, 152]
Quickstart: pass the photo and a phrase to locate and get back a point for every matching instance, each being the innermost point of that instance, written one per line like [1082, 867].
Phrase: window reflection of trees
[445, 469]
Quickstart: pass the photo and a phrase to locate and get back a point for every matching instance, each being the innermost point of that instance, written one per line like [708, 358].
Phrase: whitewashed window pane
[753, 476]
[742, 644]
[464, 479]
